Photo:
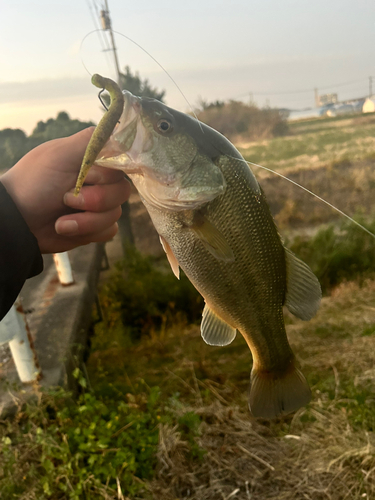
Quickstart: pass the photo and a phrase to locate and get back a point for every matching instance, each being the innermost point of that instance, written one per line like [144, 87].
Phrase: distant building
[369, 105]
[304, 114]
[327, 99]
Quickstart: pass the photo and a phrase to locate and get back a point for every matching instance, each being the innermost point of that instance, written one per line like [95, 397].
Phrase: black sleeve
[20, 257]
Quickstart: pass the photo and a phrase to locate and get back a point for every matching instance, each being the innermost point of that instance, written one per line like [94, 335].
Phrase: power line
[99, 9]
[304, 91]
[102, 39]
[108, 26]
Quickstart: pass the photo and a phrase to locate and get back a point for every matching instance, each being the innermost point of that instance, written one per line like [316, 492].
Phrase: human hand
[41, 185]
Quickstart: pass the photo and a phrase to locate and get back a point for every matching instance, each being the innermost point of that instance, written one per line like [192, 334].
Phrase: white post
[14, 329]
[64, 269]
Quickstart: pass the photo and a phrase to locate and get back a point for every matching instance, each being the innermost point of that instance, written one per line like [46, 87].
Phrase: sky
[274, 52]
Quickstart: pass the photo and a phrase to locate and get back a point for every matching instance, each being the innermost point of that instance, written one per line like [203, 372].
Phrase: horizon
[272, 54]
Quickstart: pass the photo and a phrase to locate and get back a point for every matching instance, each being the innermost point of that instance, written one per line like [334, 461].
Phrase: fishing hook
[101, 99]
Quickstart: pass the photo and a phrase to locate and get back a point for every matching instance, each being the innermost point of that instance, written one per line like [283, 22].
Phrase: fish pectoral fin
[213, 240]
[303, 288]
[275, 394]
[214, 330]
[171, 257]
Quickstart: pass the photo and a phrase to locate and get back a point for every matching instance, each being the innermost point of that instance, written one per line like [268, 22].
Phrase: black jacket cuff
[20, 257]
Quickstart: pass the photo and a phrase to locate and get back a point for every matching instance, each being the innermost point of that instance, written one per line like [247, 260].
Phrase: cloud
[44, 89]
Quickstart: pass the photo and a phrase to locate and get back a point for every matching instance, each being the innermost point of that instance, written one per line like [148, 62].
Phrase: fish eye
[164, 125]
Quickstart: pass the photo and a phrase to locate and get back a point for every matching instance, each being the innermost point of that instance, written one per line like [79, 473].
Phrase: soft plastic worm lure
[104, 128]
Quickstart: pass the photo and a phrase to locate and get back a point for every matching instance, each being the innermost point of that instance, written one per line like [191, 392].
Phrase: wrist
[13, 187]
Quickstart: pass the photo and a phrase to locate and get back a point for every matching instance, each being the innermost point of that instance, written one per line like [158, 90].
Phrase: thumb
[77, 143]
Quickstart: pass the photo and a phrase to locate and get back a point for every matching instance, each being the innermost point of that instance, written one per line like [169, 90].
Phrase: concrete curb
[59, 318]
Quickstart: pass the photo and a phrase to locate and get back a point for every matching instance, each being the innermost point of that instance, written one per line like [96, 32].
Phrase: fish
[214, 223]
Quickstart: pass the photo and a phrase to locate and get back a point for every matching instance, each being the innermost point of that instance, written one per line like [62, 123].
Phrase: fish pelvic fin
[303, 289]
[214, 330]
[171, 257]
[276, 394]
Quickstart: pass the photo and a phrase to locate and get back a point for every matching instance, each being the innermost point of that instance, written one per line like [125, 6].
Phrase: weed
[315, 142]
[190, 424]
[63, 448]
[338, 254]
[146, 298]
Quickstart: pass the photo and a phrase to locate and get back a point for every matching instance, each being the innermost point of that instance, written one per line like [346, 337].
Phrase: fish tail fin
[275, 394]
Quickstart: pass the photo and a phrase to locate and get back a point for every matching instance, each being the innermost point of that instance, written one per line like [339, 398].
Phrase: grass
[326, 450]
[349, 252]
[162, 415]
[315, 143]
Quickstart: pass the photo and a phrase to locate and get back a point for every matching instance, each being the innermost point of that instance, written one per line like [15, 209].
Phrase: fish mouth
[129, 145]
[128, 141]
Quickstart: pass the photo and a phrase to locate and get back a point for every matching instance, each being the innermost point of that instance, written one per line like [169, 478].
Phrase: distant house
[332, 109]
[327, 99]
[369, 105]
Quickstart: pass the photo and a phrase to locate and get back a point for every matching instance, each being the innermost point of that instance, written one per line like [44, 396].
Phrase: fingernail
[74, 201]
[66, 227]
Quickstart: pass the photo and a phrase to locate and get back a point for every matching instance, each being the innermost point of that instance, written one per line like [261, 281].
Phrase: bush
[239, 121]
[338, 254]
[146, 298]
[62, 448]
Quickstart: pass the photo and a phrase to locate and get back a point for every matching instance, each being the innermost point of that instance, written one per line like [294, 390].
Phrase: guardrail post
[64, 269]
[14, 330]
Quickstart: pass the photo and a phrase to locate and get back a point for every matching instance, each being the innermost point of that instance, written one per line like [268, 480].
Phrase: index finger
[103, 175]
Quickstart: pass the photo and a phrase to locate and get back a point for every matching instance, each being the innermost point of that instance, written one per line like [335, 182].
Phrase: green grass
[79, 448]
[316, 142]
[162, 415]
[168, 385]
[338, 253]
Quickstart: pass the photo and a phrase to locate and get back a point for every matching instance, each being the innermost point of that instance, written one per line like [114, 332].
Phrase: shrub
[239, 121]
[62, 448]
[338, 254]
[147, 298]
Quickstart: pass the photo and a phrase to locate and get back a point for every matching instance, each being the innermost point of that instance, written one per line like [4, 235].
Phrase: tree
[53, 128]
[243, 122]
[14, 143]
[141, 88]
[138, 87]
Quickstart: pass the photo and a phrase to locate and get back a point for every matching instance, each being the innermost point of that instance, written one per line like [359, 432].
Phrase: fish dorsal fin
[214, 330]
[171, 257]
[303, 288]
[213, 239]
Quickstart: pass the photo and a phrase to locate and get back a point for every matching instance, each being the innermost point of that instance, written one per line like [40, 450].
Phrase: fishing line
[81, 47]
[200, 125]
[313, 194]
[153, 58]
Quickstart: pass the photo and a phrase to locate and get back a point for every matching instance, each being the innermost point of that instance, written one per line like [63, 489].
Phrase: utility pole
[370, 86]
[107, 26]
[124, 225]
[316, 98]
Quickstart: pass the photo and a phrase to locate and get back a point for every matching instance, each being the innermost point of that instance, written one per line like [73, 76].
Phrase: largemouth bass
[215, 224]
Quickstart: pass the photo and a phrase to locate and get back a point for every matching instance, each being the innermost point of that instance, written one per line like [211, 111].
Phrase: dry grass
[315, 143]
[349, 186]
[316, 454]
[326, 461]
[325, 451]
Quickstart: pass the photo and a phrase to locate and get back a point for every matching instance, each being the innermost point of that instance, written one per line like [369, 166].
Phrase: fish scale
[237, 291]
[214, 223]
